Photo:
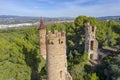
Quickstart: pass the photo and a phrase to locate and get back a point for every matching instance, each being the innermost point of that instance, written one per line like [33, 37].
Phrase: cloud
[57, 8]
[46, 1]
[91, 8]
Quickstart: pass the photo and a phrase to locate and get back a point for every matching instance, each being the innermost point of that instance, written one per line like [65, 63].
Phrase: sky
[60, 8]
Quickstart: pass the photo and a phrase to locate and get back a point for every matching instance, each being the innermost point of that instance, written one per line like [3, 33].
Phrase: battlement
[56, 37]
[56, 34]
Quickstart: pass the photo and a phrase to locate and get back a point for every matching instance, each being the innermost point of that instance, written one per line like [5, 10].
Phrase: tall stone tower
[91, 44]
[56, 56]
[53, 50]
[42, 36]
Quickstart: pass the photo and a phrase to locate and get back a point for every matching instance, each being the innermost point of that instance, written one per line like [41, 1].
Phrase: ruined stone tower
[91, 44]
[53, 49]
[42, 36]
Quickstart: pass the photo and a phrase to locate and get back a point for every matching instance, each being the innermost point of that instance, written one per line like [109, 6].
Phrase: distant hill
[12, 19]
[116, 18]
[13, 16]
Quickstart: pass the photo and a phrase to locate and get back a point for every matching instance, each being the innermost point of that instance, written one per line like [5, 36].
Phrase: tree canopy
[20, 57]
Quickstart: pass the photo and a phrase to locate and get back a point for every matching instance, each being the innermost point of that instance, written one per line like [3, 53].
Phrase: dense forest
[20, 56]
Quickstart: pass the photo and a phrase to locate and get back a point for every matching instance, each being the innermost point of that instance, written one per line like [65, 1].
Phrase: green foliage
[84, 57]
[80, 20]
[94, 77]
[20, 58]
[115, 67]
[19, 54]
[107, 34]
[109, 68]
[77, 72]
[82, 71]
[78, 69]
[56, 26]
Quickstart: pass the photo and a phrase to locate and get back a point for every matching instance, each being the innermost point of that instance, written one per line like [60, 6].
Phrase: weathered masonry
[91, 44]
[53, 50]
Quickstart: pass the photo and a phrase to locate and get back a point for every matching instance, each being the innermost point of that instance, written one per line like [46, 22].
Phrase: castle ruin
[53, 50]
[91, 44]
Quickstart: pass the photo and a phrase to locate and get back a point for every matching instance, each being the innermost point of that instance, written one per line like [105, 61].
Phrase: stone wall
[42, 38]
[43, 43]
[91, 44]
[53, 50]
[56, 56]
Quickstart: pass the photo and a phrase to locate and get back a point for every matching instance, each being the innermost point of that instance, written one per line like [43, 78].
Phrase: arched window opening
[93, 29]
[61, 74]
[92, 45]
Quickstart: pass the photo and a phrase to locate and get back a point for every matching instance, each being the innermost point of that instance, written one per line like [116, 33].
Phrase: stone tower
[91, 44]
[56, 56]
[53, 50]
[42, 36]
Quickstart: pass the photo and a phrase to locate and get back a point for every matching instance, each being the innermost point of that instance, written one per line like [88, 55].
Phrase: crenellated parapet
[56, 38]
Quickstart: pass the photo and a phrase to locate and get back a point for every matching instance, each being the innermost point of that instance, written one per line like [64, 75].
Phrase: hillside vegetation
[20, 56]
